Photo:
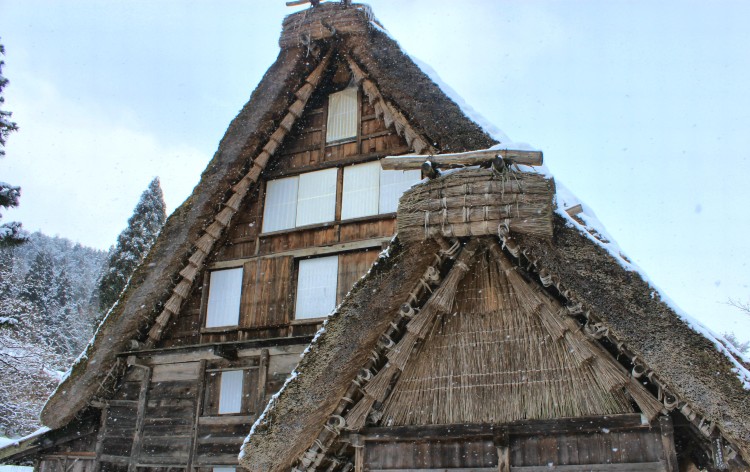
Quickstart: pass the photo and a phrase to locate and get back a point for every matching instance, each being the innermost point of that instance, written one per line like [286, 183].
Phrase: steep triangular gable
[369, 367]
[398, 90]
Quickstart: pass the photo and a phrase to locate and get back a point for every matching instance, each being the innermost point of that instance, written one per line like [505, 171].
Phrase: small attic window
[342, 115]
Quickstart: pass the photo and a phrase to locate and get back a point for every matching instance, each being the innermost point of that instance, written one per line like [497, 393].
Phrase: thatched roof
[616, 315]
[404, 88]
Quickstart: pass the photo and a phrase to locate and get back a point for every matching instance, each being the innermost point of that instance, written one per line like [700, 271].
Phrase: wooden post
[204, 298]
[262, 380]
[198, 410]
[138, 436]
[358, 443]
[100, 438]
[502, 443]
[667, 442]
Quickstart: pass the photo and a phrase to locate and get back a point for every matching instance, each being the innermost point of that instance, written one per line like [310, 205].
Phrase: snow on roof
[591, 227]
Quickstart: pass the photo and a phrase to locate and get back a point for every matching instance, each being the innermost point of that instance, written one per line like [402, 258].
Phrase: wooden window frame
[251, 367]
[357, 117]
[205, 291]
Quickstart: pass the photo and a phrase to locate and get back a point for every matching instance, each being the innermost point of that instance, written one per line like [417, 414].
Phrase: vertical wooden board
[454, 453]
[352, 266]
[248, 301]
[531, 451]
[631, 446]
[584, 448]
[516, 451]
[266, 292]
[651, 445]
[250, 391]
[211, 394]
[548, 450]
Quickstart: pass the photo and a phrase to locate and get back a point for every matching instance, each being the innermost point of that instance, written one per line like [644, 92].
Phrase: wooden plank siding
[267, 303]
[179, 426]
[352, 266]
[615, 443]
[267, 292]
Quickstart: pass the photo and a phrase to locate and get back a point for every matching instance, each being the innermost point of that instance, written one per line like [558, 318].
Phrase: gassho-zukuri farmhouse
[367, 280]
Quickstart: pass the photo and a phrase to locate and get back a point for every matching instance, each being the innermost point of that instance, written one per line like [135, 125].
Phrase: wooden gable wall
[269, 260]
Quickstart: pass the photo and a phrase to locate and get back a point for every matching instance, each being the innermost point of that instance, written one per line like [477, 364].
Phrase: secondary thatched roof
[618, 304]
[399, 81]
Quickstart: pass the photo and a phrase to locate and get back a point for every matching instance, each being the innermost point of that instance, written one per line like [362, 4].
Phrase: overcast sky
[641, 108]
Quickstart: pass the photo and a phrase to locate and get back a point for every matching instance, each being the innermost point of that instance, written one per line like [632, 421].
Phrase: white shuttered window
[342, 115]
[361, 184]
[230, 392]
[280, 209]
[316, 287]
[316, 197]
[224, 290]
[393, 184]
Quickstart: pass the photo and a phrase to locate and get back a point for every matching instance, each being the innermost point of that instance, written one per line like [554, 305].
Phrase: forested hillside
[47, 315]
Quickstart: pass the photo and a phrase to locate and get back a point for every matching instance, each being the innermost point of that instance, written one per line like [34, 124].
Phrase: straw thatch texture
[493, 361]
[336, 358]
[687, 362]
[474, 202]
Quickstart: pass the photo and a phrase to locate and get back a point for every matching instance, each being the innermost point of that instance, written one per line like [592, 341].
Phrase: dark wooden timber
[262, 380]
[519, 428]
[138, 437]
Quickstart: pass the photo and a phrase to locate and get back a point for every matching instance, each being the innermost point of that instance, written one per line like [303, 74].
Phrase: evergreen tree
[132, 245]
[39, 281]
[11, 234]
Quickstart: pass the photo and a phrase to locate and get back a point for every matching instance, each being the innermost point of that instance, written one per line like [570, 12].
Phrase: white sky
[641, 108]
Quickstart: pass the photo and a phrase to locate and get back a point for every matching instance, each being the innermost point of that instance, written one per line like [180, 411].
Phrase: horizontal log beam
[463, 159]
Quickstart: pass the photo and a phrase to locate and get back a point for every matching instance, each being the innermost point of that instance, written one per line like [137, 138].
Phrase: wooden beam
[463, 159]
[310, 251]
[98, 448]
[262, 380]
[138, 436]
[629, 421]
[226, 351]
[574, 210]
[624, 467]
[502, 443]
[667, 442]
[197, 411]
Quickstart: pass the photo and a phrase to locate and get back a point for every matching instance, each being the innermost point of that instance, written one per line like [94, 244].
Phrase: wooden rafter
[390, 114]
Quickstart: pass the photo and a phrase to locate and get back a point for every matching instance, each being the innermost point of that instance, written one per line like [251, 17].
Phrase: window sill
[328, 224]
[238, 418]
[308, 321]
[219, 329]
[351, 139]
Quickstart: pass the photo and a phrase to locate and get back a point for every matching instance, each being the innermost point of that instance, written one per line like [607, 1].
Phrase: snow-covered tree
[10, 233]
[45, 322]
[132, 244]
